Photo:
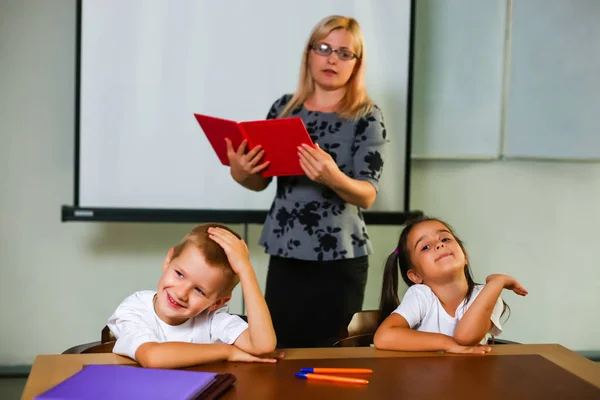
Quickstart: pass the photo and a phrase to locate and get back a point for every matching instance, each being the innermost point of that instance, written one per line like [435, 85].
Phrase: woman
[315, 231]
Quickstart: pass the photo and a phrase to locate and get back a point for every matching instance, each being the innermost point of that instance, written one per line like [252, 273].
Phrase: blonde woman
[314, 232]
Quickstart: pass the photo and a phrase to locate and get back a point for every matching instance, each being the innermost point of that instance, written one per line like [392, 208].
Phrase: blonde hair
[356, 102]
[213, 253]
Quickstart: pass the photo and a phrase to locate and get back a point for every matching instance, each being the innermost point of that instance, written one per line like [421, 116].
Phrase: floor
[11, 388]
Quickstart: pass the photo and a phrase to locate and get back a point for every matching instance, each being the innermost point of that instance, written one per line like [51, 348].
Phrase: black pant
[311, 302]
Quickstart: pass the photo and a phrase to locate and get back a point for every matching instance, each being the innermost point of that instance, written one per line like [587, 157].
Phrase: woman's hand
[318, 165]
[508, 282]
[242, 166]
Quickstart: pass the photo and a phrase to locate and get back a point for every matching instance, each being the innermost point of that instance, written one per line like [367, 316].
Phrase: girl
[443, 308]
[314, 232]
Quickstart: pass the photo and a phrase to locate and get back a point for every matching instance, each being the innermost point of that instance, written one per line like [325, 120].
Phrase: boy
[184, 323]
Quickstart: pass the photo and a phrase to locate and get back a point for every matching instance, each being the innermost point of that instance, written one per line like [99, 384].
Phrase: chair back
[360, 331]
[106, 335]
[363, 322]
[105, 345]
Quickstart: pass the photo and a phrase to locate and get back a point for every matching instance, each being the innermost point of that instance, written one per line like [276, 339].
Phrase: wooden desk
[418, 375]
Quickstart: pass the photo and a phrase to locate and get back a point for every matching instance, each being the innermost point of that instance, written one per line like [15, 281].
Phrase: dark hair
[399, 259]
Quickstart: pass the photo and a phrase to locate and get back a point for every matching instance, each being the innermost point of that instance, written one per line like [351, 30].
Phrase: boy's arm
[136, 340]
[395, 334]
[260, 337]
[477, 322]
[182, 355]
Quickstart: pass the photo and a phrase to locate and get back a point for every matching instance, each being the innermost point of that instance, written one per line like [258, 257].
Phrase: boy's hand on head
[508, 282]
[238, 355]
[236, 249]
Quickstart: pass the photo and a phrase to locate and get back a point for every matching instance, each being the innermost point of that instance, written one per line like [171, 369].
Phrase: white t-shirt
[424, 312]
[135, 322]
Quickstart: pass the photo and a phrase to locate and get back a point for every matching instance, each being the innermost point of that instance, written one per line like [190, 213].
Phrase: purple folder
[118, 382]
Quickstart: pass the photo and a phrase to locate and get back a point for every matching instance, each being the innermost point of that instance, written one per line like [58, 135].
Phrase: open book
[120, 382]
[279, 139]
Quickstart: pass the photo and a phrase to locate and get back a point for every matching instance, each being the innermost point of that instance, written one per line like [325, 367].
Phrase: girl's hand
[317, 164]
[508, 282]
[236, 249]
[477, 349]
[241, 356]
[243, 165]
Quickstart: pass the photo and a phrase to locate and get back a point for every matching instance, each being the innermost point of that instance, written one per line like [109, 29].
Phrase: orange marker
[337, 370]
[330, 378]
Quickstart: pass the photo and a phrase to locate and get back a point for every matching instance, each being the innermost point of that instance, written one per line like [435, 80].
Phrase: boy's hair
[399, 259]
[213, 253]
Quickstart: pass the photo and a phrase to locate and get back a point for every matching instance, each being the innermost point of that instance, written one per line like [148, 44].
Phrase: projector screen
[146, 66]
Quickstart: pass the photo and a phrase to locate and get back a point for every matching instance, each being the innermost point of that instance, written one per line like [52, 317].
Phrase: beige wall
[535, 220]
[60, 281]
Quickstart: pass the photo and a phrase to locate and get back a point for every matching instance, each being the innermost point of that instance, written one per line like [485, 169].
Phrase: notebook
[279, 138]
[119, 382]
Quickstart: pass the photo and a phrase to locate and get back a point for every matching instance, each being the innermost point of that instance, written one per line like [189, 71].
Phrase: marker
[337, 370]
[330, 378]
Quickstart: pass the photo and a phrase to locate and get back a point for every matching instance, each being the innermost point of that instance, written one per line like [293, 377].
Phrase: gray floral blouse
[308, 220]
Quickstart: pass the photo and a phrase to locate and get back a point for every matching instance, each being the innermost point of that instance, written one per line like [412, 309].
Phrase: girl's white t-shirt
[424, 312]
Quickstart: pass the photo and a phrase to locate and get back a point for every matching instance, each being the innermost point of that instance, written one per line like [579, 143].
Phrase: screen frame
[77, 213]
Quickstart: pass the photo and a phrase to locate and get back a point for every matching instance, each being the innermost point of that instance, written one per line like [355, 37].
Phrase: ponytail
[389, 289]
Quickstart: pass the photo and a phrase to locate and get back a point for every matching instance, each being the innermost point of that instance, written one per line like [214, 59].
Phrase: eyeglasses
[323, 49]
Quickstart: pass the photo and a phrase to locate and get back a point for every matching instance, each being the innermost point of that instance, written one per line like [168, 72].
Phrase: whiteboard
[554, 91]
[513, 79]
[148, 65]
[458, 75]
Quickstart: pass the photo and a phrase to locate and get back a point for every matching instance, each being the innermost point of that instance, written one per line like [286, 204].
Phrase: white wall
[60, 281]
[537, 221]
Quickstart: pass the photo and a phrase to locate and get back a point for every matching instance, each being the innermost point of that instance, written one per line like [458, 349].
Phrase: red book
[279, 139]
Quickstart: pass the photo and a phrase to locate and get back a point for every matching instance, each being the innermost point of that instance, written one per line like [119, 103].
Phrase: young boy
[184, 323]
